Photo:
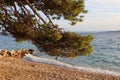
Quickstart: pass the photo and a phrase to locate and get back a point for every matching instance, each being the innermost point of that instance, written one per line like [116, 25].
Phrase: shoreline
[19, 69]
[65, 65]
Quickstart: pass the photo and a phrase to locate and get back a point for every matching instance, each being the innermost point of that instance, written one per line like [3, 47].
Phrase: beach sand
[19, 69]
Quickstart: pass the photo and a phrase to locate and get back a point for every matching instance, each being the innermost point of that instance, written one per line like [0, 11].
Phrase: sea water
[105, 57]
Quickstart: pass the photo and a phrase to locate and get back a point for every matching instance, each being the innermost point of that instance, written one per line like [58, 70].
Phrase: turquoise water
[106, 54]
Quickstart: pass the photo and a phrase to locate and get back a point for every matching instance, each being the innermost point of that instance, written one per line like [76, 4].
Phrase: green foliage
[26, 23]
[7, 2]
[69, 9]
[70, 45]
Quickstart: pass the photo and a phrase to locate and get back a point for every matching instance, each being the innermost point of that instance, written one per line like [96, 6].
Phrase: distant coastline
[96, 31]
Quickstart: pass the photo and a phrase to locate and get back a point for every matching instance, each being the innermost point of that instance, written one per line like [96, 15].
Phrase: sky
[103, 15]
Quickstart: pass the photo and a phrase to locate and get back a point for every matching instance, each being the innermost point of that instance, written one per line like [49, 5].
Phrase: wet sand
[19, 69]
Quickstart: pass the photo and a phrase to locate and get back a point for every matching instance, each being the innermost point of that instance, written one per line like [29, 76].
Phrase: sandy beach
[19, 69]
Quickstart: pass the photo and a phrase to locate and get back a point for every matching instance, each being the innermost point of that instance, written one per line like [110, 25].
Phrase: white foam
[58, 63]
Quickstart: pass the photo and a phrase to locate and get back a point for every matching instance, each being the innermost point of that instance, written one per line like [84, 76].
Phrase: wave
[58, 63]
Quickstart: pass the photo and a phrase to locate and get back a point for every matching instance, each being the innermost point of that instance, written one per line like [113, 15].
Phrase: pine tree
[32, 20]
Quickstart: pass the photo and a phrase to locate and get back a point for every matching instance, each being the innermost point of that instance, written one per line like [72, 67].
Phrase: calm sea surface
[106, 54]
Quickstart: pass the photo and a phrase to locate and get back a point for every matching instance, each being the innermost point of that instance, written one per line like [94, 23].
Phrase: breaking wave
[58, 63]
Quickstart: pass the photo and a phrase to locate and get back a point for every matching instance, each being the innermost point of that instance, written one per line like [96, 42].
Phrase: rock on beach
[20, 53]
